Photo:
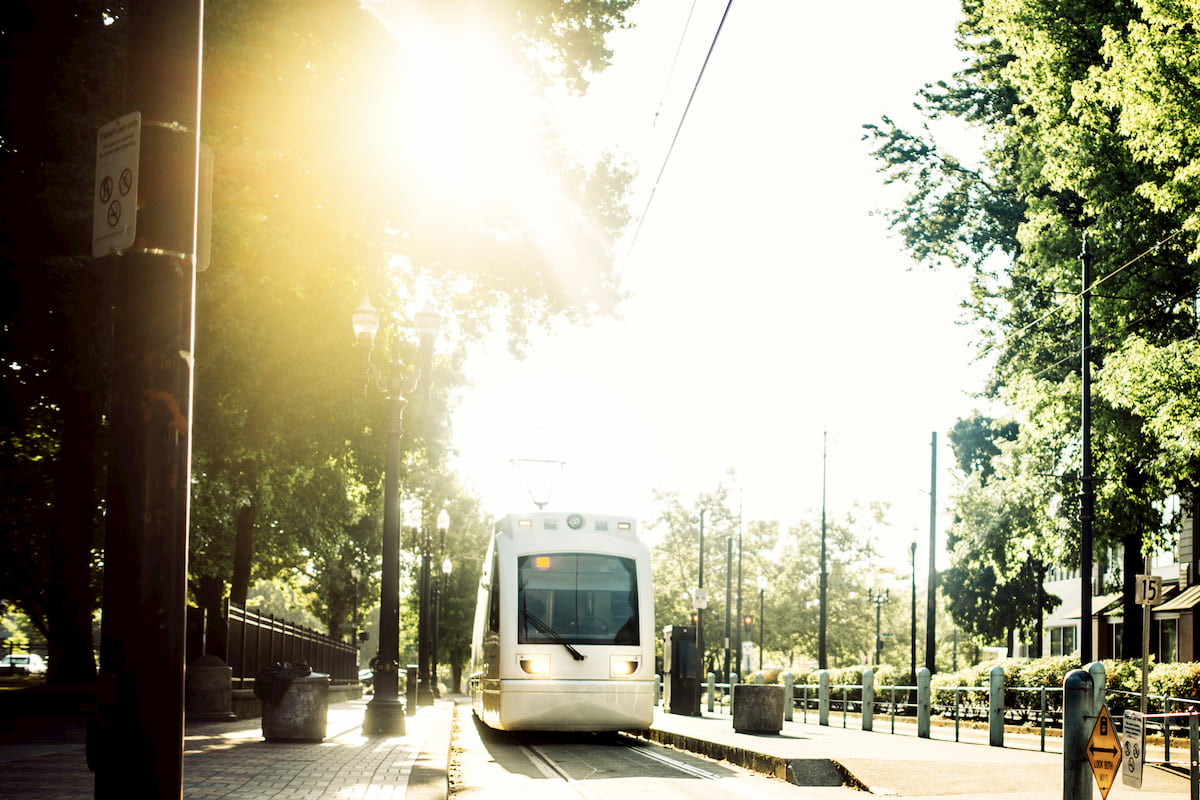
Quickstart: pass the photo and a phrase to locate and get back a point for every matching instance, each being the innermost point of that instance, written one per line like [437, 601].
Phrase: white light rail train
[564, 626]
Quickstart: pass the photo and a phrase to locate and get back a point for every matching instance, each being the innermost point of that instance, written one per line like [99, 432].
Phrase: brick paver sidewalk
[231, 760]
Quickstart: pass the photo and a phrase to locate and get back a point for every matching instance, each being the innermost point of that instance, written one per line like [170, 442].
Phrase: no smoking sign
[114, 212]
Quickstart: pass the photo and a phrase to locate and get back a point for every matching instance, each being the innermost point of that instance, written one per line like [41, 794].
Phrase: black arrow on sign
[1112, 750]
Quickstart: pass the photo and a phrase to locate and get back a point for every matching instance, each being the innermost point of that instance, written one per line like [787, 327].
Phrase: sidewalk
[231, 760]
[897, 764]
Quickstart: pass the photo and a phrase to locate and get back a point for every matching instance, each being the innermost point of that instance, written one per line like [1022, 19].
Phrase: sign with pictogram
[1133, 747]
[1104, 752]
[114, 210]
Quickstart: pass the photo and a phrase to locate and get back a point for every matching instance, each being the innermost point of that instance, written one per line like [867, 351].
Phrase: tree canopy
[1084, 110]
[334, 178]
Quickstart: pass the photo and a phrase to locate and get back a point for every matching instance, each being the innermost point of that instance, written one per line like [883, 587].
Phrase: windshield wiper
[554, 635]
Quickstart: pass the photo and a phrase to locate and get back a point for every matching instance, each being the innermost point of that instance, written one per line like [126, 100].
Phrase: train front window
[583, 598]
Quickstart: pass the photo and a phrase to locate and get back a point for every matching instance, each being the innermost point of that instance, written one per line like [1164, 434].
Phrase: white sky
[768, 304]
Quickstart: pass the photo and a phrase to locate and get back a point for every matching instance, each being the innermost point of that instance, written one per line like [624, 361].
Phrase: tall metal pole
[728, 602]
[823, 613]
[1087, 496]
[912, 674]
[931, 593]
[700, 605]
[738, 648]
[384, 714]
[135, 740]
[762, 625]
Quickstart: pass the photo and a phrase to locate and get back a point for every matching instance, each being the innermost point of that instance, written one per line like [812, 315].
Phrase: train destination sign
[1104, 752]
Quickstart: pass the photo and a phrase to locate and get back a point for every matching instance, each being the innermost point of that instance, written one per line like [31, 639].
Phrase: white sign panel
[1133, 746]
[699, 598]
[114, 211]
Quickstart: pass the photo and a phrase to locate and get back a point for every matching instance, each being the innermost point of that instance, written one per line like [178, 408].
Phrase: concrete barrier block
[758, 708]
[301, 714]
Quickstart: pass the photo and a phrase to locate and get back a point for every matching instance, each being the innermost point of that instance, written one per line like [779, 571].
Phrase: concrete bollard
[1078, 695]
[924, 701]
[789, 696]
[758, 708]
[711, 687]
[868, 700]
[301, 714]
[996, 706]
[658, 690]
[823, 697]
[209, 693]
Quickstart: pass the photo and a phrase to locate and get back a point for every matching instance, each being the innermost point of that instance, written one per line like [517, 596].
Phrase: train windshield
[581, 598]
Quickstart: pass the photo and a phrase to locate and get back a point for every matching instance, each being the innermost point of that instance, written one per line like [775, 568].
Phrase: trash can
[681, 678]
[295, 703]
[758, 708]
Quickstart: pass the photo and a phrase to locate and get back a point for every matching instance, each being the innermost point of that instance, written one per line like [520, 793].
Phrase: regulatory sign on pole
[1104, 752]
[700, 598]
[1133, 747]
[114, 210]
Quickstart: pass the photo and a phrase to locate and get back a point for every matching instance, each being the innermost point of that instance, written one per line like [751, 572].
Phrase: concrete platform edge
[783, 769]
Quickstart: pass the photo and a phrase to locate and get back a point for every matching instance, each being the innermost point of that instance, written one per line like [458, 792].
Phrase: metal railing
[257, 641]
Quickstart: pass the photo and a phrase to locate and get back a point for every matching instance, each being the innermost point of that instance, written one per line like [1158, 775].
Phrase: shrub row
[1177, 680]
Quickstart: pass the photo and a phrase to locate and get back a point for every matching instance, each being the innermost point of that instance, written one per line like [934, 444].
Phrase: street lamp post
[443, 524]
[878, 598]
[385, 712]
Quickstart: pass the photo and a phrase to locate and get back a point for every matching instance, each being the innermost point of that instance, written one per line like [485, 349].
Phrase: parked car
[22, 664]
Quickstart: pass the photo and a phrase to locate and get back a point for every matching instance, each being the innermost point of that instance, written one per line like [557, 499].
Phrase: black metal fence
[257, 641]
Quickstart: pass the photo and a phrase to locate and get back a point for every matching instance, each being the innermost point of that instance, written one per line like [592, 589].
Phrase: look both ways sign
[1104, 752]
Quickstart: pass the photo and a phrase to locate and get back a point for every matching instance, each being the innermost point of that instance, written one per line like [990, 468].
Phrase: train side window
[494, 595]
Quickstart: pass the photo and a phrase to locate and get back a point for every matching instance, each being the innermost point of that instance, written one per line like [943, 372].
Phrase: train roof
[569, 521]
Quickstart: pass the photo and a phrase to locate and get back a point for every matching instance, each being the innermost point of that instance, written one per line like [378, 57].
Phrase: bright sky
[767, 305]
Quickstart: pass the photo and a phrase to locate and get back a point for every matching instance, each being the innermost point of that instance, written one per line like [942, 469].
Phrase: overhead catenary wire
[678, 129]
[1074, 296]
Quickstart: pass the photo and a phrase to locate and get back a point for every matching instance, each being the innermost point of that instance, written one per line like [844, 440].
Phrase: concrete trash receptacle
[757, 708]
[301, 713]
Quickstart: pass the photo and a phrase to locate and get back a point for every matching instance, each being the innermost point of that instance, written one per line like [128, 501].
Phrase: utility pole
[1087, 492]
[135, 740]
[823, 612]
[931, 594]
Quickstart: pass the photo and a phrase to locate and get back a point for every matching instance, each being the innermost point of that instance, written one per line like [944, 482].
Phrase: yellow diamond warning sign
[1104, 752]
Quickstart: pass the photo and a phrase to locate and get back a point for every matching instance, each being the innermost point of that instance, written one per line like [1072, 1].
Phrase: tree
[61, 77]
[1048, 89]
[318, 209]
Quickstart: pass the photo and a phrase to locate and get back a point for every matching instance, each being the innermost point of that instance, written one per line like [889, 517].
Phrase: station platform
[897, 764]
[230, 760]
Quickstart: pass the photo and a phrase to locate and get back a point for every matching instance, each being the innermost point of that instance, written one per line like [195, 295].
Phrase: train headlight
[621, 666]
[538, 666]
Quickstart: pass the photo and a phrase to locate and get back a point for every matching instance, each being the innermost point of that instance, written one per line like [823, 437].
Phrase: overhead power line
[678, 128]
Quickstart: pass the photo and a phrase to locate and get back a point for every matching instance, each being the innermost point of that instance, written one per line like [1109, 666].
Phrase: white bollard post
[823, 697]
[996, 706]
[789, 696]
[924, 702]
[868, 699]
[712, 691]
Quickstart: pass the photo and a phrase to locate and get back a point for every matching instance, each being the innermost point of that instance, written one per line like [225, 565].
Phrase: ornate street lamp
[385, 712]
[879, 599]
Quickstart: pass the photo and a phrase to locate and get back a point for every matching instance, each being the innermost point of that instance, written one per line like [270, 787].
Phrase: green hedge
[1181, 680]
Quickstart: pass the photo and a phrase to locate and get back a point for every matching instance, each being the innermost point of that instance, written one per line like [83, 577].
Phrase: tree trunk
[243, 554]
[1131, 567]
[210, 594]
